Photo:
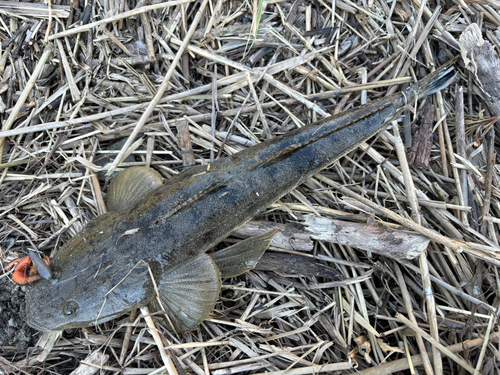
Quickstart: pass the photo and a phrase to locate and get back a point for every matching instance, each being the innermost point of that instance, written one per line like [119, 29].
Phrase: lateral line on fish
[187, 203]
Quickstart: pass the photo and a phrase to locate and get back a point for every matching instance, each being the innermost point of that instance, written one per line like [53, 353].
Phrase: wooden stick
[455, 245]
[382, 240]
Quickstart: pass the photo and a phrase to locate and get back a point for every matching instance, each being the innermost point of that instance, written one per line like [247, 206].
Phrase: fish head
[92, 281]
[82, 301]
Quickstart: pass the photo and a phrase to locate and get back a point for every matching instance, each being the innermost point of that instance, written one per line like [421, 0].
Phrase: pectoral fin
[188, 292]
[130, 185]
[243, 256]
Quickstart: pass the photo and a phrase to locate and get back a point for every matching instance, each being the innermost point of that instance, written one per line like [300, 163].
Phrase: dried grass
[181, 81]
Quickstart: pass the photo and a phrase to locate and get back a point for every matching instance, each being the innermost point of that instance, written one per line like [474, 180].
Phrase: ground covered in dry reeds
[76, 81]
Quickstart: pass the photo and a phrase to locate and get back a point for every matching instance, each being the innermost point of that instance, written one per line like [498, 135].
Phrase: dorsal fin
[130, 185]
[188, 292]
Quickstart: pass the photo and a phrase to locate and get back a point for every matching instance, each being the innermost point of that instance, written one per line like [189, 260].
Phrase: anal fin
[243, 256]
[188, 292]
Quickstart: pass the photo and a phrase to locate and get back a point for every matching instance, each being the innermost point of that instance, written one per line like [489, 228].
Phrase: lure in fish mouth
[151, 247]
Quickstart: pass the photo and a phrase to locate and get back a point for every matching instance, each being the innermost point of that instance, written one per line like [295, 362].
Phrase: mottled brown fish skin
[102, 272]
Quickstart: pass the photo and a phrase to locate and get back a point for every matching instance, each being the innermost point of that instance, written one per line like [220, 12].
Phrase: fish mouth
[34, 323]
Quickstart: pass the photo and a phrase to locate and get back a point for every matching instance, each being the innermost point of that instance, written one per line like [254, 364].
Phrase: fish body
[107, 269]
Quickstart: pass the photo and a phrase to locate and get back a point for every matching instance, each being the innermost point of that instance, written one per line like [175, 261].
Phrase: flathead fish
[161, 232]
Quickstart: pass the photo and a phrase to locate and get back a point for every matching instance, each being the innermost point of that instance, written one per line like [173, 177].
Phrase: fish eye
[70, 308]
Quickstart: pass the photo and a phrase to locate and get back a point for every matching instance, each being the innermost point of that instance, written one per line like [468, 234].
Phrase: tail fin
[434, 82]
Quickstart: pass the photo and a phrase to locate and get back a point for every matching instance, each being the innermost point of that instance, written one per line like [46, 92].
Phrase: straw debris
[90, 88]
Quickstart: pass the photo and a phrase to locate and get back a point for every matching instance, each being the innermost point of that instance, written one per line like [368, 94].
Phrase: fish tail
[434, 82]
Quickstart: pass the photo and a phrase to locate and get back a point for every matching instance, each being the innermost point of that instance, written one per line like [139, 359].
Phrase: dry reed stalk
[248, 73]
[167, 360]
[163, 87]
[402, 364]
[24, 95]
[436, 344]
[124, 15]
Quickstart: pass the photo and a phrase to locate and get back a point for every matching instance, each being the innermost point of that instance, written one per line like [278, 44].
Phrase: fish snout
[33, 320]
